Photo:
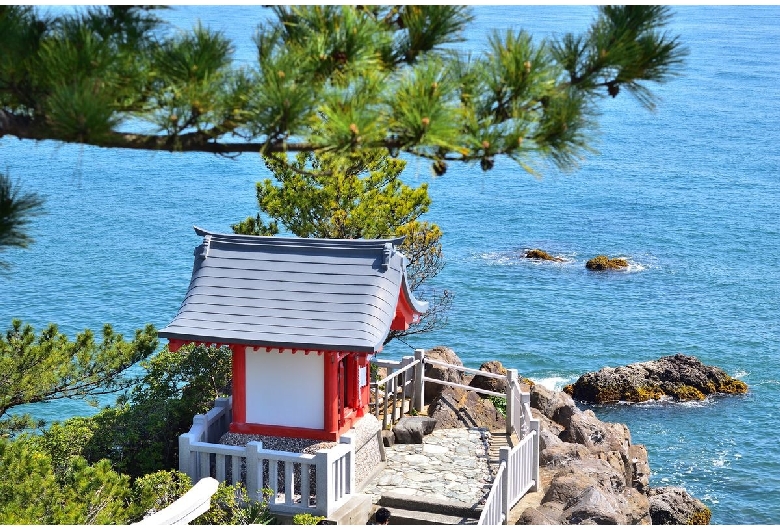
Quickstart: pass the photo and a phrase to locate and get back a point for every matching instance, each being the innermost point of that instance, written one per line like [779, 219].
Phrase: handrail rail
[466, 369]
[465, 387]
[399, 371]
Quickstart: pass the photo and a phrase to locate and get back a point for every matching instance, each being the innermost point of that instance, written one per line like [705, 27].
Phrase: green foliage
[306, 518]
[140, 434]
[49, 366]
[499, 403]
[155, 491]
[328, 79]
[231, 505]
[323, 73]
[140, 437]
[16, 212]
[31, 492]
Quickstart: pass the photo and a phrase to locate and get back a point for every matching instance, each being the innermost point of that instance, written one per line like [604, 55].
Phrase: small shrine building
[302, 316]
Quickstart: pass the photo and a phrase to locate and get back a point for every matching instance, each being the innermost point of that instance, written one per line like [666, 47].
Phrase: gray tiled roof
[318, 294]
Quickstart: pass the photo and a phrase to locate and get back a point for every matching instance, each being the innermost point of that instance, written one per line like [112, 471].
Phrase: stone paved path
[450, 465]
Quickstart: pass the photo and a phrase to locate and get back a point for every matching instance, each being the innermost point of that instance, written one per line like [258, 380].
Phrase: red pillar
[365, 392]
[331, 398]
[239, 386]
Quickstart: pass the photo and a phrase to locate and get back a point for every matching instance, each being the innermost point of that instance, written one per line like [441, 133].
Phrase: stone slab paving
[450, 465]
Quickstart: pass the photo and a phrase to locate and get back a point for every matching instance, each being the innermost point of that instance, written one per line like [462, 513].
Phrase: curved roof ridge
[296, 241]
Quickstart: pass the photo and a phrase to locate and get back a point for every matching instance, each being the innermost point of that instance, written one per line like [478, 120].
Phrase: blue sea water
[690, 195]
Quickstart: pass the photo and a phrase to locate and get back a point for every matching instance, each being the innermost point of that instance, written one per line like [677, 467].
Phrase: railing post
[406, 361]
[199, 427]
[419, 384]
[185, 456]
[223, 404]
[253, 470]
[322, 465]
[526, 398]
[535, 428]
[349, 439]
[503, 456]
[511, 375]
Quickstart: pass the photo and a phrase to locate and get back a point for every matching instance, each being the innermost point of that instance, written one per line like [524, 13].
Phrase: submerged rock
[681, 377]
[604, 263]
[537, 253]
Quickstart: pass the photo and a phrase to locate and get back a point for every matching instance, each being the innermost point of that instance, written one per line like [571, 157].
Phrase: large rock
[445, 355]
[412, 429]
[490, 383]
[586, 429]
[545, 514]
[596, 475]
[676, 506]
[678, 376]
[594, 506]
[456, 407]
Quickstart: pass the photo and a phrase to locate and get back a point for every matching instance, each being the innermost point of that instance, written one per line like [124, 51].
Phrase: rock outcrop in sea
[680, 377]
[537, 253]
[605, 263]
[591, 472]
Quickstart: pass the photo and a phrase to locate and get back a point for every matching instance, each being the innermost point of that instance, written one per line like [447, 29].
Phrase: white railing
[518, 403]
[493, 512]
[299, 483]
[518, 409]
[517, 475]
[522, 466]
[186, 508]
[389, 395]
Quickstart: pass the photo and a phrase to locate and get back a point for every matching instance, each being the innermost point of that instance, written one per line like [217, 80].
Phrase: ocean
[689, 195]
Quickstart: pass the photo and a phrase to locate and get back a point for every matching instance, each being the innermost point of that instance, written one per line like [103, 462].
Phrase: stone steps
[409, 510]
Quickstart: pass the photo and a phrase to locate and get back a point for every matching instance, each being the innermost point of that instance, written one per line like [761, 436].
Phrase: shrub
[306, 518]
[499, 403]
[231, 505]
[155, 491]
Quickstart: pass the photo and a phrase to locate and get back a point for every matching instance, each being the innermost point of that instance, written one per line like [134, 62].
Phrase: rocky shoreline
[679, 377]
[591, 472]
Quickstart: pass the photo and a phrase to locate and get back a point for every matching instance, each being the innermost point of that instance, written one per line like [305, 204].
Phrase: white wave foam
[635, 266]
[552, 383]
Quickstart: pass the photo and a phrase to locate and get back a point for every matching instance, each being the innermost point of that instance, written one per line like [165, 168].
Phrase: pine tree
[327, 78]
[49, 366]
